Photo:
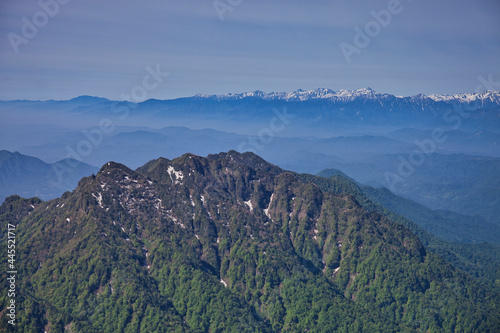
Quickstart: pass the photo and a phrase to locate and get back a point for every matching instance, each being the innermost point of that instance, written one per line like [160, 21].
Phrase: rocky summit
[227, 243]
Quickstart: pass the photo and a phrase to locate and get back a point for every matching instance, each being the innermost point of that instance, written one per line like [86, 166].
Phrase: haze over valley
[250, 166]
[441, 151]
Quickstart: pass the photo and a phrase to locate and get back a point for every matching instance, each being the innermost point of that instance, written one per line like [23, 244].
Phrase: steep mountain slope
[447, 225]
[444, 224]
[29, 176]
[227, 243]
[439, 231]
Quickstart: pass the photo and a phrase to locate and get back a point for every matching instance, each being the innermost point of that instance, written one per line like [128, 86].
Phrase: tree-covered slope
[448, 225]
[227, 243]
[445, 233]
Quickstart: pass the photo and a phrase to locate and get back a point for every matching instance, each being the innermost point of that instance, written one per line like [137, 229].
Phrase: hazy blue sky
[103, 47]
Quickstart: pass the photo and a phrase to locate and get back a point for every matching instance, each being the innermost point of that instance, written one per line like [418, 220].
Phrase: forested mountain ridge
[441, 232]
[227, 243]
[447, 225]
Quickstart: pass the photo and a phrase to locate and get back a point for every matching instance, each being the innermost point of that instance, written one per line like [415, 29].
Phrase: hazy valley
[403, 210]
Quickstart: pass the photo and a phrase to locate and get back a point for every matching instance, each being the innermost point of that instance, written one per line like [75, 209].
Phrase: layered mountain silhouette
[447, 225]
[229, 243]
[373, 137]
[29, 176]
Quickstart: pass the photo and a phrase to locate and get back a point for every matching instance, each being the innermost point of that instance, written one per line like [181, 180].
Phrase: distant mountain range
[231, 242]
[316, 112]
[29, 176]
[342, 95]
[443, 150]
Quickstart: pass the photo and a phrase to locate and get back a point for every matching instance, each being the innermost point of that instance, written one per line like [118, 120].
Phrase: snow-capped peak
[344, 95]
[300, 95]
[488, 95]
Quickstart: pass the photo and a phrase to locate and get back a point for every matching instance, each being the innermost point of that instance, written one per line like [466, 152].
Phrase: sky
[136, 50]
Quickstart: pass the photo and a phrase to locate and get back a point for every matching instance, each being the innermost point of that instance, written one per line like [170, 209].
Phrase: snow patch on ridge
[249, 204]
[99, 198]
[178, 174]
[266, 211]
